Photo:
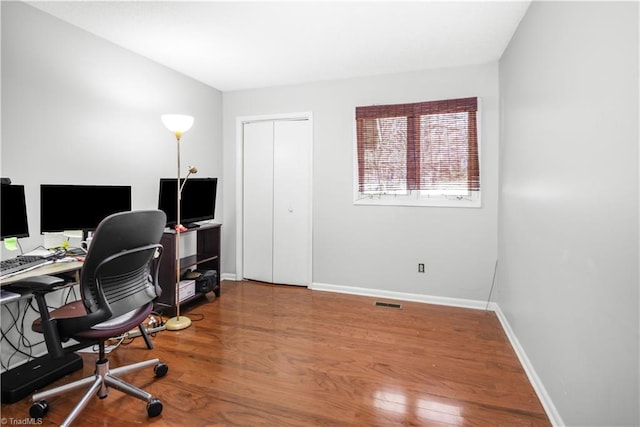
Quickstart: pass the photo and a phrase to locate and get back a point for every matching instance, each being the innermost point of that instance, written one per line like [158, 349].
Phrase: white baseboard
[545, 399]
[403, 296]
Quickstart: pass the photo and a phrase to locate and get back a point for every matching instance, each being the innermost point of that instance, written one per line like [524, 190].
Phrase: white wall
[568, 237]
[79, 110]
[379, 247]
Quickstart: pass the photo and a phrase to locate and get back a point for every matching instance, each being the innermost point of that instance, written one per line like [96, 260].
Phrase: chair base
[99, 384]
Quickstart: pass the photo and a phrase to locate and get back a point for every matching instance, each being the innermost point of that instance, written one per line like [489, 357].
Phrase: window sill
[422, 202]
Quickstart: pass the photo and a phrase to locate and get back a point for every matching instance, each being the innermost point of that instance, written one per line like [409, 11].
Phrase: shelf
[207, 257]
[194, 260]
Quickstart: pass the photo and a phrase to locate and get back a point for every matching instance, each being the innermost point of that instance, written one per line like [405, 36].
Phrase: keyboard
[20, 264]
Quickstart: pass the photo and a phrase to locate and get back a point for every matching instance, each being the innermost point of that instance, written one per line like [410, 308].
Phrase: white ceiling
[233, 45]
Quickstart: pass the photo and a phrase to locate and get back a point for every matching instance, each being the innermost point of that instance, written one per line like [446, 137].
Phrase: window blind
[430, 146]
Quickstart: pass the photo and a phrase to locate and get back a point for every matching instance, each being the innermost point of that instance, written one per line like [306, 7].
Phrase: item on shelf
[192, 275]
[207, 280]
[187, 289]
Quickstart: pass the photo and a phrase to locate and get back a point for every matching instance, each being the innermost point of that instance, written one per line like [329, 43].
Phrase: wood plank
[265, 355]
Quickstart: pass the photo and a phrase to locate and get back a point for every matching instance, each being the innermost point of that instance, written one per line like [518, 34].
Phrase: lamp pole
[178, 227]
[178, 124]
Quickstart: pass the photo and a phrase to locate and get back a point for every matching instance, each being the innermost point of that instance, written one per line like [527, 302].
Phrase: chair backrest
[120, 269]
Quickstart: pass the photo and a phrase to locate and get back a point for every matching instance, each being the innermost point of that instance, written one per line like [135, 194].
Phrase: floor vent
[387, 304]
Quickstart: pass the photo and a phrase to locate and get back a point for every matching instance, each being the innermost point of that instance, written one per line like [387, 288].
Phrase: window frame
[414, 197]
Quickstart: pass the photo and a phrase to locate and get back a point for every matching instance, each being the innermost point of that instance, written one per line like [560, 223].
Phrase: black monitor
[80, 207]
[198, 200]
[13, 212]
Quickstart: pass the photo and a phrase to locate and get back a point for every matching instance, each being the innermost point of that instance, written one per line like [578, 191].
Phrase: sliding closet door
[276, 201]
[258, 201]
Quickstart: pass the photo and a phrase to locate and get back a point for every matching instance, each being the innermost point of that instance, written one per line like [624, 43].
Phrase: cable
[493, 282]
[71, 290]
[5, 338]
[18, 322]
[200, 317]
[109, 348]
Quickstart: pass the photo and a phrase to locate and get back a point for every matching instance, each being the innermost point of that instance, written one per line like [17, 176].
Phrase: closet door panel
[258, 201]
[291, 196]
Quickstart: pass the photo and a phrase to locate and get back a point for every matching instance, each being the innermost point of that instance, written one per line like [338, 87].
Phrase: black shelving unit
[207, 257]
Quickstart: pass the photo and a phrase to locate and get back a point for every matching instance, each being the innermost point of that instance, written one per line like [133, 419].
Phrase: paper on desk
[40, 252]
[53, 240]
[74, 234]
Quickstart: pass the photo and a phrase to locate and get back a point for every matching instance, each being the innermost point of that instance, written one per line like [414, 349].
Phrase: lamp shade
[177, 123]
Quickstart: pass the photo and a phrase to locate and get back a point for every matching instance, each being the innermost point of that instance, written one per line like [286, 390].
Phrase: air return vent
[387, 304]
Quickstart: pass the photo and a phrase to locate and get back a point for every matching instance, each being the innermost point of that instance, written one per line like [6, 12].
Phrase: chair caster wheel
[39, 409]
[160, 370]
[154, 407]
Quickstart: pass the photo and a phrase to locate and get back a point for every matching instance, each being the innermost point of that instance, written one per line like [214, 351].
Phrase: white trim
[239, 184]
[429, 299]
[228, 276]
[445, 202]
[240, 121]
[534, 379]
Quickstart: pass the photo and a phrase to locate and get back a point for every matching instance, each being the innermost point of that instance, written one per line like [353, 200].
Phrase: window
[418, 154]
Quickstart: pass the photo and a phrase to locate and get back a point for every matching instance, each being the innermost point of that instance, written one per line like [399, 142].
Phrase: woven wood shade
[420, 146]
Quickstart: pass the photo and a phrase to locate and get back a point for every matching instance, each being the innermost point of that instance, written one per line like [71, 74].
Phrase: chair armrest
[38, 284]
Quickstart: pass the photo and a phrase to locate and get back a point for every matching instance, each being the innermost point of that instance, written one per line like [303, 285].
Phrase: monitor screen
[198, 200]
[13, 212]
[80, 207]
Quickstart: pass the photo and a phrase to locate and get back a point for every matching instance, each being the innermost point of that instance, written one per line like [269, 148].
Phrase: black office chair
[118, 283]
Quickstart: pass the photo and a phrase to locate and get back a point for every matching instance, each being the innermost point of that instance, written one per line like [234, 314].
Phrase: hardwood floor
[263, 355]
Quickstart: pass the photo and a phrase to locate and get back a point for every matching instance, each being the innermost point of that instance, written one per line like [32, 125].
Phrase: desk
[49, 269]
[19, 343]
[32, 368]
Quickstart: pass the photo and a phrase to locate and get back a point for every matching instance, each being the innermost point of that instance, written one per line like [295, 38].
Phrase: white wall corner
[535, 380]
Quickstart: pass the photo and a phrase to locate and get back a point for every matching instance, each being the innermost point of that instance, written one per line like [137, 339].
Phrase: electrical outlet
[420, 268]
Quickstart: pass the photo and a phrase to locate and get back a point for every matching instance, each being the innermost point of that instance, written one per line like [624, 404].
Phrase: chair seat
[110, 328]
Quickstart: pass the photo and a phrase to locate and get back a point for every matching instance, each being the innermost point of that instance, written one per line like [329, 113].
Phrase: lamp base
[177, 323]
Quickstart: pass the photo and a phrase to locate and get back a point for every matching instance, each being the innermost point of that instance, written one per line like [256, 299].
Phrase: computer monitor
[13, 212]
[80, 207]
[198, 200]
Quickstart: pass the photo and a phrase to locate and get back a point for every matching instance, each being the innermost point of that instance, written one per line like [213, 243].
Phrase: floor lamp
[178, 124]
